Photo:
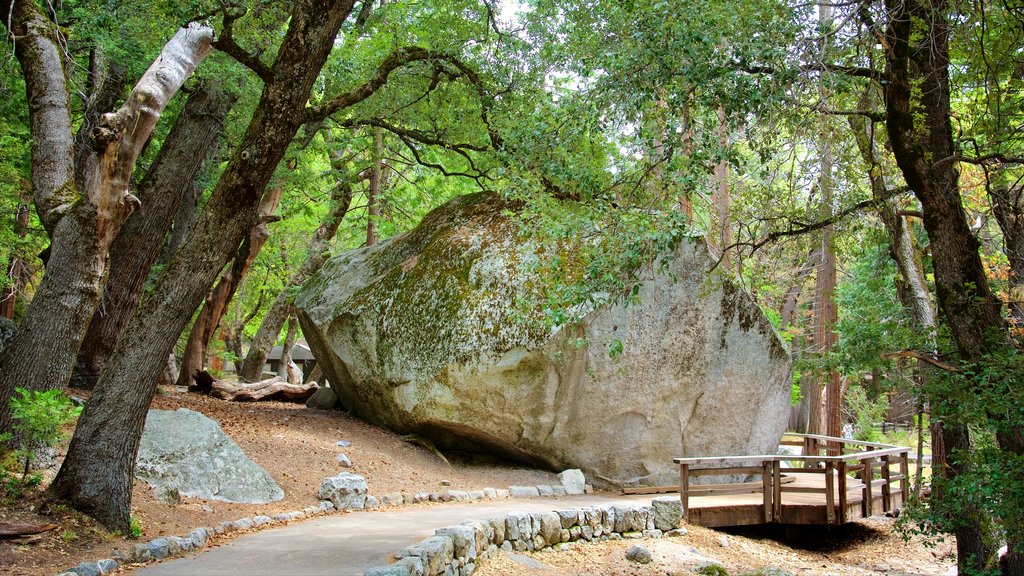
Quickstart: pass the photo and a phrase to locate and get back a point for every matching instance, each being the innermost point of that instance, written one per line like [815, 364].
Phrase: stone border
[456, 550]
[171, 546]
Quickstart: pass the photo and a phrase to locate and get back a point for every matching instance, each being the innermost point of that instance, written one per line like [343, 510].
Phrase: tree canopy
[857, 166]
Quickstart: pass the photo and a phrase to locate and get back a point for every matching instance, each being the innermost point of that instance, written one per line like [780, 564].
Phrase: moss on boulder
[421, 333]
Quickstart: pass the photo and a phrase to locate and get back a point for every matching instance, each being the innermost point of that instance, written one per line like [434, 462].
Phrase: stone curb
[457, 550]
[171, 546]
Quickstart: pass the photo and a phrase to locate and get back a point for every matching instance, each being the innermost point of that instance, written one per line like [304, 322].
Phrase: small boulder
[573, 481]
[523, 491]
[346, 491]
[639, 554]
[668, 512]
[345, 461]
[184, 453]
[324, 398]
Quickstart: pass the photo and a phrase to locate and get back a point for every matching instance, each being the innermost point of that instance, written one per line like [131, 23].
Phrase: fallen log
[18, 530]
[275, 388]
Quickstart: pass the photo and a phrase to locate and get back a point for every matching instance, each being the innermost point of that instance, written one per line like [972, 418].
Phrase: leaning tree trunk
[168, 184]
[43, 351]
[316, 255]
[96, 475]
[194, 358]
[921, 135]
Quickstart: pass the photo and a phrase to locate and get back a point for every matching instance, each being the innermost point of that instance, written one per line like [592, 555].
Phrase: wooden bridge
[834, 481]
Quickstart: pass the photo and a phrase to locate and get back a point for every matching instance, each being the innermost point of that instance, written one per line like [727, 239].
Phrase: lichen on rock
[422, 333]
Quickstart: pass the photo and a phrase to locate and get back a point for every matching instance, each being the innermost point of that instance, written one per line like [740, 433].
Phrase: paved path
[348, 544]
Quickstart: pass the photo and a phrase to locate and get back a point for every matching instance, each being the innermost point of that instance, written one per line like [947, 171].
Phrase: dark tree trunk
[316, 255]
[82, 227]
[168, 185]
[918, 124]
[97, 473]
[194, 358]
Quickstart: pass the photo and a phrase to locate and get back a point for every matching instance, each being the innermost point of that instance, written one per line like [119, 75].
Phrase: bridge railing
[876, 469]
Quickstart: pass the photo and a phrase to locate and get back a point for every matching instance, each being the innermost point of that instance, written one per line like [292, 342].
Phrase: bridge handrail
[835, 470]
[883, 450]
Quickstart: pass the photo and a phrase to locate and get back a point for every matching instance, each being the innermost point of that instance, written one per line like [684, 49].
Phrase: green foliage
[866, 413]
[872, 320]
[134, 527]
[983, 397]
[38, 421]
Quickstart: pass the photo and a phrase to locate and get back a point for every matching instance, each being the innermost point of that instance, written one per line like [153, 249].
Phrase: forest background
[856, 165]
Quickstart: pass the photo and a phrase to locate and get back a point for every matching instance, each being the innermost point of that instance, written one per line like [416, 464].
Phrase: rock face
[186, 453]
[422, 334]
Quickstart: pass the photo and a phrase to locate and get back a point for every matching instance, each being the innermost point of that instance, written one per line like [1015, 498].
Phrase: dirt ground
[298, 447]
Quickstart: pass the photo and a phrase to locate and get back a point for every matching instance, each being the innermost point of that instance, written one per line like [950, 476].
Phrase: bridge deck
[827, 485]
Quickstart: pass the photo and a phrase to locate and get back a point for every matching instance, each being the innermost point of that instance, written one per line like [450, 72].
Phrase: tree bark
[275, 388]
[316, 255]
[918, 124]
[284, 370]
[168, 185]
[373, 196]
[799, 415]
[721, 231]
[96, 475]
[194, 358]
[17, 270]
[43, 351]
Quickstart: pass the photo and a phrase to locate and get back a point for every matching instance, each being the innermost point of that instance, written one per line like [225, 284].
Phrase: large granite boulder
[422, 334]
[185, 453]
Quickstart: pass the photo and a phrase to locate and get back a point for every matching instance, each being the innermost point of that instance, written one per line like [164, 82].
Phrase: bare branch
[226, 44]
[392, 62]
[920, 356]
[985, 160]
[798, 229]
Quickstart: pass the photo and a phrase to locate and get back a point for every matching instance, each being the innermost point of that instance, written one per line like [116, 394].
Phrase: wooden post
[905, 481]
[830, 495]
[841, 476]
[886, 491]
[766, 489]
[776, 491]
[867, 474]
[684, 490]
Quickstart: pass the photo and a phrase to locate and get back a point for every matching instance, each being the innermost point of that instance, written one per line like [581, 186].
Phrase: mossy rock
[423, 334]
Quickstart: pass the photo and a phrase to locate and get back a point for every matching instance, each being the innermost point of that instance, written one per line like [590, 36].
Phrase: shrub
[38, 421]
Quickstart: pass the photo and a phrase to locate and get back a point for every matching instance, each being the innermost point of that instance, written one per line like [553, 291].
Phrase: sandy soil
[298, 447]
[866, 547]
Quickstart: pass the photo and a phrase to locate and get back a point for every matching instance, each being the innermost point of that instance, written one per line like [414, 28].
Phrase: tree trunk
[166, 187]
[918, 123]
[373, 196]
[44, 349]
[194, 358]
[97, 473]
[799, 415]
[275, 388]
[316, 255]
[720, 229]
[17, 270]
[287, 345]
